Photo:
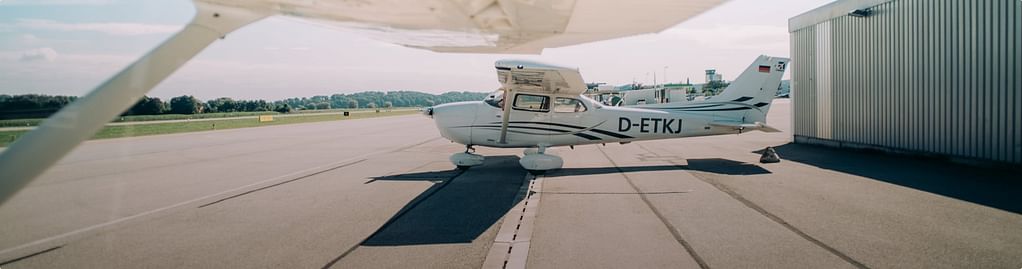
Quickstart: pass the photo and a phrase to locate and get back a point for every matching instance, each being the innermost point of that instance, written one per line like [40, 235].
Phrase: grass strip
[8, 137]
[135, 118]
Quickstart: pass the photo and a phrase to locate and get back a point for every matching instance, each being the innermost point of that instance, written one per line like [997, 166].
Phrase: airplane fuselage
[595, 125]
[541, 106]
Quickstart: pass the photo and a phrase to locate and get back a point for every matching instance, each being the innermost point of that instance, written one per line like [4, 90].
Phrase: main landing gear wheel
[537, 162]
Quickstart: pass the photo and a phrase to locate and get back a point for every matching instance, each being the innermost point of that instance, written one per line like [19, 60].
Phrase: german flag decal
[764, 68]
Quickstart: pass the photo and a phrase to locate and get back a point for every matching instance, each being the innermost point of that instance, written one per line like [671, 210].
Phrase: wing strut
[508, 94]
[508, 102]
[39, 149]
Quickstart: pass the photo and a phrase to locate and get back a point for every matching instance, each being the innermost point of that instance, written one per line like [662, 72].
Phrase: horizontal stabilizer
[757, 126]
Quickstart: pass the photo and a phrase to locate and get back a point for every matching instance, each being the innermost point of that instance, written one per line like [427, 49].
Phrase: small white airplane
[547, 109]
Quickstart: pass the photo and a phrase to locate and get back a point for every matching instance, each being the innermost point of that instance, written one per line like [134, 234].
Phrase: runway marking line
[282, 183]
[70, 236]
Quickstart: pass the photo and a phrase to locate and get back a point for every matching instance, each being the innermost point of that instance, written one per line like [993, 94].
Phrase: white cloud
[40, 54]
[112, 28]
[70, 74]
[738, 37]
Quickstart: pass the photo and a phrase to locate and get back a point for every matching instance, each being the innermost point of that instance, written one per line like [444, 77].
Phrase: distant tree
[283, 108]
[185, 104]
[388, 104]
[323, 105]
[371, 105]
[147, 106]
[714, 87]
[32, 105]
[352, 103]
[222, 104]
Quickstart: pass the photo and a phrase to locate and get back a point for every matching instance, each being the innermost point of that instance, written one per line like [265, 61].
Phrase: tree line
[40, 106]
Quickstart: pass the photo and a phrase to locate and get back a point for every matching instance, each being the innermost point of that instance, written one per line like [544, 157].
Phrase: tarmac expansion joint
[510, 248]
[708, 179]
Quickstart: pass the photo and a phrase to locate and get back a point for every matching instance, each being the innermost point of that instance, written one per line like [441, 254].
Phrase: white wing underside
[532, 76]
[487, 26]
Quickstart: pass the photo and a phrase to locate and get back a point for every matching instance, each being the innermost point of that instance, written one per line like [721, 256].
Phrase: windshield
[495, 98]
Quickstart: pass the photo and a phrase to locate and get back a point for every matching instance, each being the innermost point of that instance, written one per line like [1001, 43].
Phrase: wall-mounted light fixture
[861, 13]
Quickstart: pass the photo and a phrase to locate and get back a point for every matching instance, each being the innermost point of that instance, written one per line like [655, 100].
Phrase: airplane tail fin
[756, 87]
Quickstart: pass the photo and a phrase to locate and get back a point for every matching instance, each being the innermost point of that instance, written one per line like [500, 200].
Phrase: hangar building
[930, 77]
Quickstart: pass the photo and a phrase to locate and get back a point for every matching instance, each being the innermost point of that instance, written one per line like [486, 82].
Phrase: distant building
[668, 93]
[712, 75]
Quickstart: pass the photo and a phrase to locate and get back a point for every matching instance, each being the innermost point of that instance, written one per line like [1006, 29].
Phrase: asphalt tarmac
[380, 193]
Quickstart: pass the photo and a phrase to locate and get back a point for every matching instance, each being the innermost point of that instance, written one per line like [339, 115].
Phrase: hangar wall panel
[927, 76]
[823, 81]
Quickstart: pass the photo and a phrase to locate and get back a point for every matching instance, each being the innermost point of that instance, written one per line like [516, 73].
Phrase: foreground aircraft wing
[488, 26]
[482, 26]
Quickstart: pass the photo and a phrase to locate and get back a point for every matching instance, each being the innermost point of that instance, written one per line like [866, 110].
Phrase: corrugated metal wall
[927, 76]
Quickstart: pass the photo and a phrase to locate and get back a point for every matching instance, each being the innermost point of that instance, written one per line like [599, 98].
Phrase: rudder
[756, 86]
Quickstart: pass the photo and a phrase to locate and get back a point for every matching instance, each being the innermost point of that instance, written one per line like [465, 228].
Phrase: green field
[7, 137]
[134, 118]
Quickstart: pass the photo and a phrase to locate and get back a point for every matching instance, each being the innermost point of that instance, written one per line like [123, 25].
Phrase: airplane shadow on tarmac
[462, 205]
[457, 209]
[997, 188]
[711, 165]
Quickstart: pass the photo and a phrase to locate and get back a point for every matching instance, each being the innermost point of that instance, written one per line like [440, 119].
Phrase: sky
[68, 47]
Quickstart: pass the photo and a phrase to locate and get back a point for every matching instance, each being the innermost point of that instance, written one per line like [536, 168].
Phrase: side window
[530, 102]
[568, 105]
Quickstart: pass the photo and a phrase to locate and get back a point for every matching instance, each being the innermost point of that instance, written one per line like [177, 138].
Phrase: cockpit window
[530, 102]
[568, 105]
[495, 99]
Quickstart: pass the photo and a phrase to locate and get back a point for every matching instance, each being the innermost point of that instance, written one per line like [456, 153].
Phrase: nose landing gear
[467, 159]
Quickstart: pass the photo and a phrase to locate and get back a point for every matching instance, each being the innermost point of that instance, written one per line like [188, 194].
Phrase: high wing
[487, 26]
[531, 76]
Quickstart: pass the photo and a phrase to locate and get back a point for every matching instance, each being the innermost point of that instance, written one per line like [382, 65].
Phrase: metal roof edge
[829, 11]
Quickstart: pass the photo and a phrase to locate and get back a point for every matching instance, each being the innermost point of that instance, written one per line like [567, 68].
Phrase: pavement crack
[670, 227]
[31, 255]
[282, 183]
[778, 220]
[705, 177]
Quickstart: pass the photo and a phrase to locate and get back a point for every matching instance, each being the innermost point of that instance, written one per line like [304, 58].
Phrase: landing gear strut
[467, 159]
[537, 162]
